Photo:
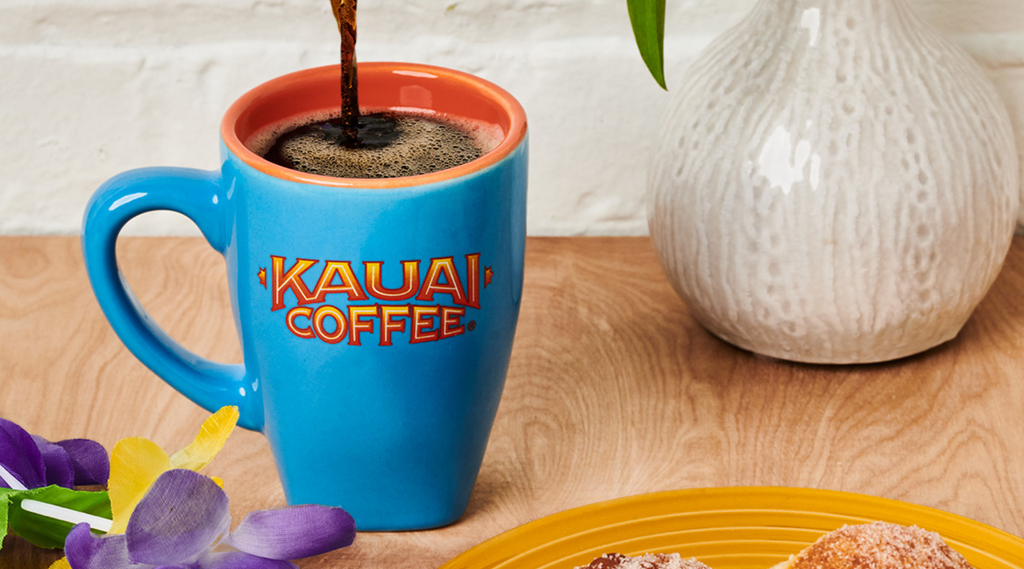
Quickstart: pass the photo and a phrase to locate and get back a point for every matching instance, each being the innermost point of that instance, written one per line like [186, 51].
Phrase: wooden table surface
[613, 390]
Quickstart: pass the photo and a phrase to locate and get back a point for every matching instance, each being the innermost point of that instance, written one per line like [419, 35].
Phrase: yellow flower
[135, 463]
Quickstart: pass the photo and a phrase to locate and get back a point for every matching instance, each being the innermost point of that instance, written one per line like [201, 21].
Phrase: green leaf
[41, 530]
[4, 492]
[648, 19]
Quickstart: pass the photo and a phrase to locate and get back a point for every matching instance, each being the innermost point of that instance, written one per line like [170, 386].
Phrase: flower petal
[58, 465]
[241, 560]
[211, 438]
[181, 517]
[89, 460]
[61, 563]
[135, 463]
[87, 551]
[294, 532]
[20, 456]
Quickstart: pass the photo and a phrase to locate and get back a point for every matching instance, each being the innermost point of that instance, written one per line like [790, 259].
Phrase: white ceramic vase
[835, 183]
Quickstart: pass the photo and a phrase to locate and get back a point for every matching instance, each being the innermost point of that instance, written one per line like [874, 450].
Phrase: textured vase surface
[835, 183]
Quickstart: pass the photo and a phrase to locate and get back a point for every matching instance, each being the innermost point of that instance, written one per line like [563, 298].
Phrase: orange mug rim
[508, 104]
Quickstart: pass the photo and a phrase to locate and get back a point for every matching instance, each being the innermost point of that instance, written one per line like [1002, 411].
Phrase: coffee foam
[430, 142]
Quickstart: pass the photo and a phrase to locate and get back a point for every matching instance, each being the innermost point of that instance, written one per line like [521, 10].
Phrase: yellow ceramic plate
[726, 528]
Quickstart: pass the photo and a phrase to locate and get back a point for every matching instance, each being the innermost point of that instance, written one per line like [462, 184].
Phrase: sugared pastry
[877, 546]
[649, 561]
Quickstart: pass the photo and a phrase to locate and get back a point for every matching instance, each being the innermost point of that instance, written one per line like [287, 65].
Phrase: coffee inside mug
[399, 88]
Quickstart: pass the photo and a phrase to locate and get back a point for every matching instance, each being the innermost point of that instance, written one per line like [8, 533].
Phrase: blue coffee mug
[376, 317]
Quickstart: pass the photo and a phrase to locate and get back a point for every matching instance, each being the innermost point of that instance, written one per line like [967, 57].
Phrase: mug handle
[197, 195]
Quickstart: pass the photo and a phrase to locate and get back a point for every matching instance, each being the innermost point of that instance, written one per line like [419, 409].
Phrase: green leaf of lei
[648, 19]
[41, 530]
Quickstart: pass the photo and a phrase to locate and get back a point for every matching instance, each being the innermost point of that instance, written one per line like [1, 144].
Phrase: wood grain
[613, 390]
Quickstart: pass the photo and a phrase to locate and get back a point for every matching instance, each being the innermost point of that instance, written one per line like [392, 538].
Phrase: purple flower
[36, 462]
[183, 523]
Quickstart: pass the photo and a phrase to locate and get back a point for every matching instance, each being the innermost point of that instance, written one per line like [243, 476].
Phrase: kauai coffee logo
[340, 306]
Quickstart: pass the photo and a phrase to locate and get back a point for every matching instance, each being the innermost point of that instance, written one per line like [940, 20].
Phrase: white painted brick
[85, 115]
[95, 88]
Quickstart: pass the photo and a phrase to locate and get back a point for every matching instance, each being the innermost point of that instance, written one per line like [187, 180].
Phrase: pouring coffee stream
[352, 129]
[382, 144]
[345, 14]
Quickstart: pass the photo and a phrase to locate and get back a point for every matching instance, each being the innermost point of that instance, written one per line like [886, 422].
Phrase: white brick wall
[93, 88]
